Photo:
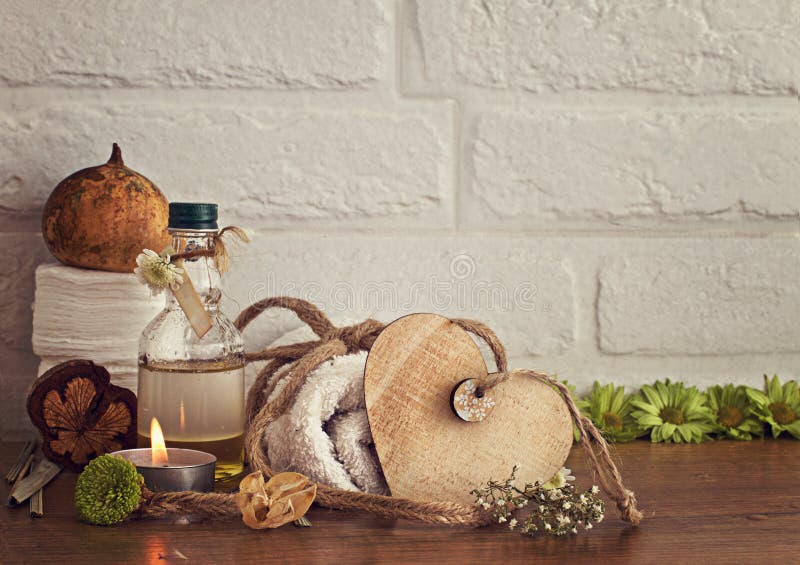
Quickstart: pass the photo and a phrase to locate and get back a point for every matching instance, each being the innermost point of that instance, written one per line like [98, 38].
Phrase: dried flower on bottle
[157, 272]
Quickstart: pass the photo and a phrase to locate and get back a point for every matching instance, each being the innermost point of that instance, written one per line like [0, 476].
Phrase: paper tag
[191, 305]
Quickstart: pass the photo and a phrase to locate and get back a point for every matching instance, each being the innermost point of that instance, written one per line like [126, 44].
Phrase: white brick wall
[687, 46]
[280, 44]
[271, 166]
[666, 166]
[611, 185]
[706, 297]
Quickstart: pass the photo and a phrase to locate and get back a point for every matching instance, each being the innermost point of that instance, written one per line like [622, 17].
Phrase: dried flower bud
[284, 498]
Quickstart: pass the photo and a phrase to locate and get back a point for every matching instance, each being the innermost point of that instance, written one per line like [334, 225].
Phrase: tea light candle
[171, 469]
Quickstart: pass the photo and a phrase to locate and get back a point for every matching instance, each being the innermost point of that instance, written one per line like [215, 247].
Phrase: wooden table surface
[722, 502]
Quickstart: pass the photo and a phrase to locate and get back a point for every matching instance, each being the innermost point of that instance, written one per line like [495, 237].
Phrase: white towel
[95, 315]
[325, 433]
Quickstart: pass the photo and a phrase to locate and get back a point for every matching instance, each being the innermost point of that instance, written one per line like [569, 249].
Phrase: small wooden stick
[25, 468]
[37, 504]
[14, 472]
[42, 474]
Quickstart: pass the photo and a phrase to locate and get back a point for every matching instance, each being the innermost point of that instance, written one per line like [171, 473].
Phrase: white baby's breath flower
[559, 509]
[156, 272]
[595, 489]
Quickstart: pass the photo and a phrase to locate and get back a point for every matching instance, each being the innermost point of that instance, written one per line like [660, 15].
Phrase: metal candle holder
[188, 469]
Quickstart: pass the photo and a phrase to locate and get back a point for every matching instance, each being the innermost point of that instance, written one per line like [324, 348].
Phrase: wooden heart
[429, 454]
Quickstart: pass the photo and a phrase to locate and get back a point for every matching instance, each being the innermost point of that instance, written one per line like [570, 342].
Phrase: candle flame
[158, 447]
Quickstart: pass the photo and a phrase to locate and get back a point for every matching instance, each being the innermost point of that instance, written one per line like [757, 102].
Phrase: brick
[656, 166]
[686, 46]
[701, 297]
[507, 283]
[265, 167]
[17, 373]
[288, 44]
[20, 253]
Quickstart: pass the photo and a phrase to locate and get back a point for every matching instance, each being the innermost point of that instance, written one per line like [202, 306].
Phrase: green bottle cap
[192, 216]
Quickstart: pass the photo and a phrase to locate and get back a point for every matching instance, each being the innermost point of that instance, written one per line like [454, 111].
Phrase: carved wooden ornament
[80, 414]
[427, 452]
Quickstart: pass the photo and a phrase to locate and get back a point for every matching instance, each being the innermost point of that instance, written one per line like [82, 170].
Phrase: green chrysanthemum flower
[780, 407]
[673, 413]
[108, 490]
[731, 407]
[610, 410]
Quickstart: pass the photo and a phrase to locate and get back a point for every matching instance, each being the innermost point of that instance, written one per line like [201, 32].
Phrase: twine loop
[358, 337]
[594, 445]
[300, 359]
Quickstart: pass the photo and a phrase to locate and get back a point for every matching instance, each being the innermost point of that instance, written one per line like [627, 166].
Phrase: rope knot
[358, 337]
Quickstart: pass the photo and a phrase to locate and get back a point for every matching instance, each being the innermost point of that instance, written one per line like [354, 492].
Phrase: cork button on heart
[469, 403]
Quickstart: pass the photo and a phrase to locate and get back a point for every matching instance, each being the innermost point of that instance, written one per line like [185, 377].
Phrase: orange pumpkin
[102, 217]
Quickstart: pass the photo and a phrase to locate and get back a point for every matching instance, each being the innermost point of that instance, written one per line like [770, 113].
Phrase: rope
[208, 504]
[300, 359]
[603, 468]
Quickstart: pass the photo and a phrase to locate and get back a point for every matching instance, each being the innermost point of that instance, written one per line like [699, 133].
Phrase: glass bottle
[194, 386]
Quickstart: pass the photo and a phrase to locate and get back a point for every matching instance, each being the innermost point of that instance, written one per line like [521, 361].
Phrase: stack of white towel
[95, 315]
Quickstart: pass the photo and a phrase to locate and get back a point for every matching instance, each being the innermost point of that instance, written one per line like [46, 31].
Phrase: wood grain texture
[80, 414]
[427, 453]
[722, 502]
